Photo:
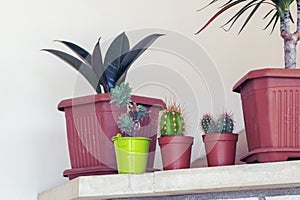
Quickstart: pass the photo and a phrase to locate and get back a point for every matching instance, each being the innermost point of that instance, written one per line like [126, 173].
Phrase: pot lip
[133, 138]
[105, 98]
[220, 137]
[266, 72]
[175, 139]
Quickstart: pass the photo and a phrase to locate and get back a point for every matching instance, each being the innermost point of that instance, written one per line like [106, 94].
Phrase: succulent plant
[113, 70]
[223, 124]
[172, 121]
[129, 122]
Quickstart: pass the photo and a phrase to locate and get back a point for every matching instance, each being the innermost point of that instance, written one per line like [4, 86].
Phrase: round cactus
[171, 121]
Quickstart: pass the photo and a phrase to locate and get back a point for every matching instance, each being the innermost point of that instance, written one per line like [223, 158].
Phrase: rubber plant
[111, 71]
[280, 11]
[219, 139]
[91, 120]
[175, 146]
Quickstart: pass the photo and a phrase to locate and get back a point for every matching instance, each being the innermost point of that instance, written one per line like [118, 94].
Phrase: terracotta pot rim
[220, 137]
[176, 139]
[105, 98]
[264, 73]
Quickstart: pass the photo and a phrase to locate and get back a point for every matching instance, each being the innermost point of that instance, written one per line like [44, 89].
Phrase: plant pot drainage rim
[285, 152]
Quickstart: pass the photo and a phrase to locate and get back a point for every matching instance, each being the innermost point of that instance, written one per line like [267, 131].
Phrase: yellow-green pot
[131, 154]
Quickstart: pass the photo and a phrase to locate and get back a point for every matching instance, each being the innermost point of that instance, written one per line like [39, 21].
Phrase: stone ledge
[177, 182]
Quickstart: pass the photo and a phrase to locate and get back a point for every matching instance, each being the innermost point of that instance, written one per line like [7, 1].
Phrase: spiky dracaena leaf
[120, 95]
[277, 6]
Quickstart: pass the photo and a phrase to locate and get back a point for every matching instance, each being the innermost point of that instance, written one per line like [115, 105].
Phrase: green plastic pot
[131, 154]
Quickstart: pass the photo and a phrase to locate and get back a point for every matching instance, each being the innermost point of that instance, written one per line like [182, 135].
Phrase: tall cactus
[223, 124]
[171, 121]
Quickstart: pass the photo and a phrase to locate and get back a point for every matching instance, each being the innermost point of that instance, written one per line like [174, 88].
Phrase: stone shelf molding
[178, 182]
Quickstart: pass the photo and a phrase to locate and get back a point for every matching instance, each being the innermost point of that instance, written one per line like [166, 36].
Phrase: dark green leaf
[272, 10]
[112, 61]
[133, 54]
[275, 22]
[271, 20]
[80, 66]
[83, 54]
[97, 65]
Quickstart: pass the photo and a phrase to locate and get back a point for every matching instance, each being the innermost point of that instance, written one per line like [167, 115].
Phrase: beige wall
[33, 147]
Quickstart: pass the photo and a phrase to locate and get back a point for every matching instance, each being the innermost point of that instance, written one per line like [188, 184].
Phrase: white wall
[33, 148]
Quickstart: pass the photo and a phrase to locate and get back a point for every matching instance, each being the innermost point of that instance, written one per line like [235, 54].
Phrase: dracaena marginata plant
[113, 70]
[280, 10]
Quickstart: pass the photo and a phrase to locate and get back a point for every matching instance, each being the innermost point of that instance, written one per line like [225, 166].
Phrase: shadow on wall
[241, 149]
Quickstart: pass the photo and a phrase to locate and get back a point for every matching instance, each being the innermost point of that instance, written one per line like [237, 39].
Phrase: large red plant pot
[91, 123]
[220, 148]
[176, 151]
[271, 108]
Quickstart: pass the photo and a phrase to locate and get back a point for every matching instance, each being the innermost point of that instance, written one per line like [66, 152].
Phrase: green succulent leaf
[80, 66]
[121, 95]
[133, 54]
[82, 53]
[125, 124]
[140, 113]
[112, 61]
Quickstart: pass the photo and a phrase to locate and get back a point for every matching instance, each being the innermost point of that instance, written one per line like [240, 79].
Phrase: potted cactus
[131, 151]
[219, 141]
[270, 97]
[91, 120]
[175, 147]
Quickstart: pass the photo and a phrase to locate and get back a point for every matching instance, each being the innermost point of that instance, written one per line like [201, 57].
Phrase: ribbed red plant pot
[271, 108]
[91, 123]
[220, 148]
[176, 151]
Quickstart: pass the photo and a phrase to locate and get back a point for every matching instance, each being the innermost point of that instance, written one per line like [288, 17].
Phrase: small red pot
[176, 151]
[220, 148]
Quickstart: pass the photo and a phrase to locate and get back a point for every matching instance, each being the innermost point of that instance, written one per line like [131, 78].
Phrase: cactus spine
[171, 121]
[223, 124]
